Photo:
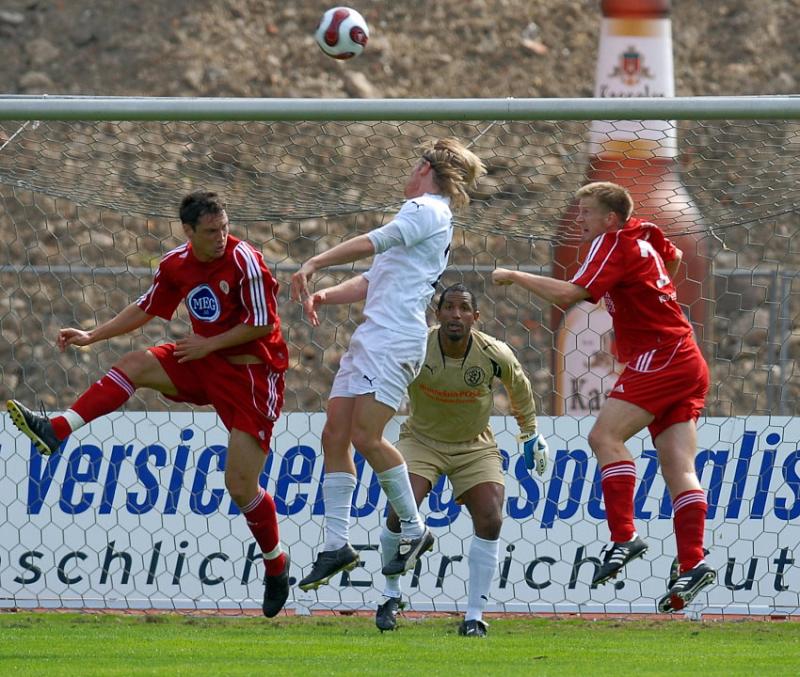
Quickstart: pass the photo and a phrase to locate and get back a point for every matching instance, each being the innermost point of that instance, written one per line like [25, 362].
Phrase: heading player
[386, 350]
[448, 432]
[630, 265]
[235, 360]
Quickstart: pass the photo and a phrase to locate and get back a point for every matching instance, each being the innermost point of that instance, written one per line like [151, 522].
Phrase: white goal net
[133, 512]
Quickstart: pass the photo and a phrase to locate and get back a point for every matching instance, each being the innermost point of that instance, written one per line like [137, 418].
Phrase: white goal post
[133, 513]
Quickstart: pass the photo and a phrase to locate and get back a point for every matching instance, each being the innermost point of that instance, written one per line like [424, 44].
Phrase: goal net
[133, 513]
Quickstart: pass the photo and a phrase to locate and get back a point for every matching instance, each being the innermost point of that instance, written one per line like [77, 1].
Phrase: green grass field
[86, 644]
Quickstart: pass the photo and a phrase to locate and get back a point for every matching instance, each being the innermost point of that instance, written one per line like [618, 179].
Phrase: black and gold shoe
[35, 426]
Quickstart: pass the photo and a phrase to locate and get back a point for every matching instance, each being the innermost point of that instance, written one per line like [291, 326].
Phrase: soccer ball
[342, 33]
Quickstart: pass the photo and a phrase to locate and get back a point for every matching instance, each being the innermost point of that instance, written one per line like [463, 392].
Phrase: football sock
[389, 542]
[483, 559]
[618, 481]
[689, 523]
[263, 522]
[337, 492]
[397, 487]
[102, 397]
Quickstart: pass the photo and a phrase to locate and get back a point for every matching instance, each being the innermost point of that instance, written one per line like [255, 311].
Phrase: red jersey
[626, 269]
[236, 288]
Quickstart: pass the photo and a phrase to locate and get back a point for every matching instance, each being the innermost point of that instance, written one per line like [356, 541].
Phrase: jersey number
[646, 249]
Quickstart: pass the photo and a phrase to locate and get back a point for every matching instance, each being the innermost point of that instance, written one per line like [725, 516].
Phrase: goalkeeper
[448, 432]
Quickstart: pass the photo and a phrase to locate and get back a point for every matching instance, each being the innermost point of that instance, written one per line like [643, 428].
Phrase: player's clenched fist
[502, 276]
[72, 337]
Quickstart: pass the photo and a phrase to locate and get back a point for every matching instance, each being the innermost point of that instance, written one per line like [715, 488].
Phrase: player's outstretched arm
[360, 247]
[673, 265]
[130, 318]
[349, 291]
[518, 387]
[559, 292]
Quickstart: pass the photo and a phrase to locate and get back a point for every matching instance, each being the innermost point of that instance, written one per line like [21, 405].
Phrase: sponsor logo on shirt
[203, 304]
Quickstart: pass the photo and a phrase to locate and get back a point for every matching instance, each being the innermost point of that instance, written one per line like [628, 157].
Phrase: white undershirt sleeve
[386, 237]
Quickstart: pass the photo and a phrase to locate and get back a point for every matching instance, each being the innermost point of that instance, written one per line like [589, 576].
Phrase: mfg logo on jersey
[203, 303]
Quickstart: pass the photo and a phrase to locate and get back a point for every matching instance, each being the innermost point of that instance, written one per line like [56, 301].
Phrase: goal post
[187, 109]
[133, 512]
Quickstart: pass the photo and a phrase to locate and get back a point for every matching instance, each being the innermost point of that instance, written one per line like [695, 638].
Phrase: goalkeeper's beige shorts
[466, 464]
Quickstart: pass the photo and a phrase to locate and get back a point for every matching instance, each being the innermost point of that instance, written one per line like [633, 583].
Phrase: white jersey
[402, 278]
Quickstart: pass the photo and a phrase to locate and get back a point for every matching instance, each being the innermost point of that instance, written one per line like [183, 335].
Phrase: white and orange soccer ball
[342, 33]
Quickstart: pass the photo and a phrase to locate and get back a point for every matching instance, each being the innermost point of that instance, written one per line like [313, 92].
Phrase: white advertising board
[133, 514]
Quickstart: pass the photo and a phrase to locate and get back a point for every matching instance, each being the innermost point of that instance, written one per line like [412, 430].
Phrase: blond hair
[455, 168]
[614, 197]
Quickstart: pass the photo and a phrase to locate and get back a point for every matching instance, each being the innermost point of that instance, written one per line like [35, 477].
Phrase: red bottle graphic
[634, 59]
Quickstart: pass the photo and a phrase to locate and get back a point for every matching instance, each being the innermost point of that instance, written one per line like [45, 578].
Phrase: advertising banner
[133, 513]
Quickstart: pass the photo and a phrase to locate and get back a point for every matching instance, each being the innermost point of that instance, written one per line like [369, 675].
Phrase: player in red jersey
[630, 265]
[235, 360]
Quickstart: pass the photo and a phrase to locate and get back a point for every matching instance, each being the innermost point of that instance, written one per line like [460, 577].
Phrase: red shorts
[247, 397]
[670, 382]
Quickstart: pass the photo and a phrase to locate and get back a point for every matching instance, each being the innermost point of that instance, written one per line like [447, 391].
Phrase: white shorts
[380, 361]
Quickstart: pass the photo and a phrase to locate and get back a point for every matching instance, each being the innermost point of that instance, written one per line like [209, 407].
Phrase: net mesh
[88, 208]
[91, 207]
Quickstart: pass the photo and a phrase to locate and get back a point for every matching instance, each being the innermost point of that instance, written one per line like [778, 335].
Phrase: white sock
[389, 542]
[337, 492]
[397, 487]
[483, 559]
[74, 419]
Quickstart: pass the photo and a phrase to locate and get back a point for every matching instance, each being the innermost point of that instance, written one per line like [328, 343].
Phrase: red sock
[263, 522]
[618, 481]
[689, 522]
[104, 396]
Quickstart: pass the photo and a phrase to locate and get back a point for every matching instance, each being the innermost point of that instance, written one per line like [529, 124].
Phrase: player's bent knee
[335, 440]
[240, 492]
[242, 486]
[368, 445]
[597, 440]
[137, 366]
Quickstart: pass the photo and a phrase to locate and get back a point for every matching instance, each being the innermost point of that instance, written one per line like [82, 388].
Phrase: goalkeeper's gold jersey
[451, 399]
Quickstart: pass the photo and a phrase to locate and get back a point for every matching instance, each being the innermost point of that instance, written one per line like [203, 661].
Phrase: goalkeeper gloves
[535, 451]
